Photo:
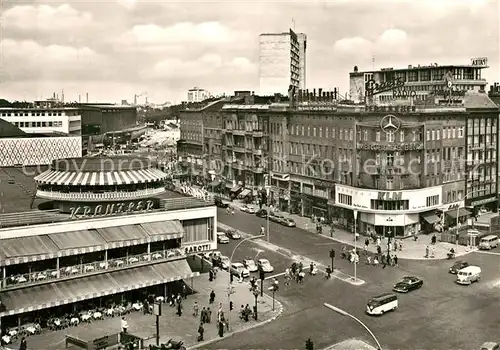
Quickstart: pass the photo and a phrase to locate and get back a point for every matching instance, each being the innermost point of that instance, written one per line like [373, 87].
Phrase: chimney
[334, 93]
[54, 95]
[314, 94]
[307, 95]
[62, 96]
[87, 97]
[320, 94]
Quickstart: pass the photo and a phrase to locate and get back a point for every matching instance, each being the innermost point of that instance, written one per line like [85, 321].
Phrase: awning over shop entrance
[431, 218]
[66, 292]
[245, 192]
[461, 212]
[235, 189]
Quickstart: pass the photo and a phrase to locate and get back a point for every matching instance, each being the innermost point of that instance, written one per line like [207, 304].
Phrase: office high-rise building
[282, 62]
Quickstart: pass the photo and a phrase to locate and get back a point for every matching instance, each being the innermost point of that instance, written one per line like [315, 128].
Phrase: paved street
[442, 315]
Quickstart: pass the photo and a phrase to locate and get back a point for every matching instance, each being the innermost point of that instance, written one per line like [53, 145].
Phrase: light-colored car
[288, 222]
[222, 238]
[224, 262]
[250, 265]
[212, 255]
[247, 209]
[265, 265]
[490, 345]
[237, 269]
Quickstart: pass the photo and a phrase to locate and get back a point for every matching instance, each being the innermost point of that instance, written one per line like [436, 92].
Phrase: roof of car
[237, 264]
[263, 260]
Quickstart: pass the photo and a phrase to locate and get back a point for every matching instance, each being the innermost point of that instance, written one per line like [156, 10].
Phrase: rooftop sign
[479, 61]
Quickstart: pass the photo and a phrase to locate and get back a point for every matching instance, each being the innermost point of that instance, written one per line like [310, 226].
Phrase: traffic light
[262, 274]
[332, 253]
[309, 344]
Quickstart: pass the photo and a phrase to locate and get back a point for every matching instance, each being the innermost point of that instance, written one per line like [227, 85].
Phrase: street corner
[355, 281]
[265, 318]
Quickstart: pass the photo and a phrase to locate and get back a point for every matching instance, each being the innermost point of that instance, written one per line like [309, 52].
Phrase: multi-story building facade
[416, 82]
[494, 95]
[282, 62]
[197, 94]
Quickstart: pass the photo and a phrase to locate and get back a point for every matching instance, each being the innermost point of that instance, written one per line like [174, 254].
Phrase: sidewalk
[183, 327]
[412, 250]
[351, 344]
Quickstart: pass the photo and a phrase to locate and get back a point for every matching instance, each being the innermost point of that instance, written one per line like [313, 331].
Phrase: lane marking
[274, 276]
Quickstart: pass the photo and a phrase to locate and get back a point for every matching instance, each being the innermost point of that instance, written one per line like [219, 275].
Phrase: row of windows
[481, 123]
[312, 131]
[434, 74]
[432, 200]
[389, 205]
[56, 124]
[480, 190]
[345, 199]
[447, 133]
[454, 196]
[32, 114]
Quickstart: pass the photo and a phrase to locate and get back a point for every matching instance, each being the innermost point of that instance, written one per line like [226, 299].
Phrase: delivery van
[469, 274]
[381, 304]
[488, 242]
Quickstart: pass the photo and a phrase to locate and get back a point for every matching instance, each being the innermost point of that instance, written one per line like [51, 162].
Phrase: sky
[114, 49]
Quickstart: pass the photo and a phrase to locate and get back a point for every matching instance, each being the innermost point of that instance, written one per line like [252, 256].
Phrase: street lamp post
[344, 313]
[230, 263]
[355, 244]
[267, 219]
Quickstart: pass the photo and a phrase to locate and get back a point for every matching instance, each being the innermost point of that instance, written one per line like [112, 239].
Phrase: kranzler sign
[81, 212]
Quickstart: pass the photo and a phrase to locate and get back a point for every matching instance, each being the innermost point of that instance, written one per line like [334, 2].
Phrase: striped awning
[245, 192]
[52, 177]
[66, 292]
[14, 251]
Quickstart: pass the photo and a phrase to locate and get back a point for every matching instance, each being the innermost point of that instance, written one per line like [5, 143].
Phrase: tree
[309, 344]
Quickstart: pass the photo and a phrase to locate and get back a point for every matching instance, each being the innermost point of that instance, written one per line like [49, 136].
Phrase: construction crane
[138, 95]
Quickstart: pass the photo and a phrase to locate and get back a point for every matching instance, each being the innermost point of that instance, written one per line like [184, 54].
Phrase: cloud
[45, 18]
[174, 68]
[28, 59]
[351, 46]
[391, 41]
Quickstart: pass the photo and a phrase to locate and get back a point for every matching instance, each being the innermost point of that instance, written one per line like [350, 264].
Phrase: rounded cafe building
[89, 187]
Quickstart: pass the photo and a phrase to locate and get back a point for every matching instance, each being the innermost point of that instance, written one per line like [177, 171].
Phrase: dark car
[261, 213]
[233, 234]
[407, 284]
[457, 266]
[220, 204]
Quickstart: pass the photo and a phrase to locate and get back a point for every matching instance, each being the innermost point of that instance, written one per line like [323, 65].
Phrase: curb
[243, 329]
[289, 254]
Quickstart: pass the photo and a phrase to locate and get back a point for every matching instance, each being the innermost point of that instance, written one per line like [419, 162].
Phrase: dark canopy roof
[8, 130]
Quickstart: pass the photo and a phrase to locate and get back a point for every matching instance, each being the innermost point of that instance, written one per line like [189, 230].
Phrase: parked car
[288, 222]
[220, 204]
[275, 218]
[261, 213]
[222, 238]
[233, 234]
[237, 269]
[224, 262]
[457, 266]
[250, 265]
[265, 265]
[247, 209]
[407, 284]
[212, 255]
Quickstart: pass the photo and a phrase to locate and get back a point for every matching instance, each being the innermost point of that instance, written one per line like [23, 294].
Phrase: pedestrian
[212, 297]
[203, 316]
[184, 291]
[221, 329]
[367, 242]
[396, 260]
[369, 260]
[384, 261]
[196, 309]
[210, 275]
[201, 331]
[395, 245]
[426, 251]
[209, 315]
[124, 324]
[379, 250]
[179, 309]
[375, 261]
[328, 272]
[23, 345]
[332, 231]
[378, 241]
[400, 245]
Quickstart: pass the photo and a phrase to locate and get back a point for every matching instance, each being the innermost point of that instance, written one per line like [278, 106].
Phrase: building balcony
[239, 132]
[67, 272]
[258, 169]
[239, 165]
[257, 133]
[239, 149]
[476, 146]
[257, 152]
[492, 145]
[98, 197]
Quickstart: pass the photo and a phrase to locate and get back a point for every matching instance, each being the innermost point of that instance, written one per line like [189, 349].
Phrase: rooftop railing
[91, 196]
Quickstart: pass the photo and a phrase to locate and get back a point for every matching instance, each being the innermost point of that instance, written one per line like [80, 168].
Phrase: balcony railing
[88, 268]
[239, 165]
[240, 149]
[257, 133]
[97, 197]
[239, 132]
[258, 170]
[257, 152]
